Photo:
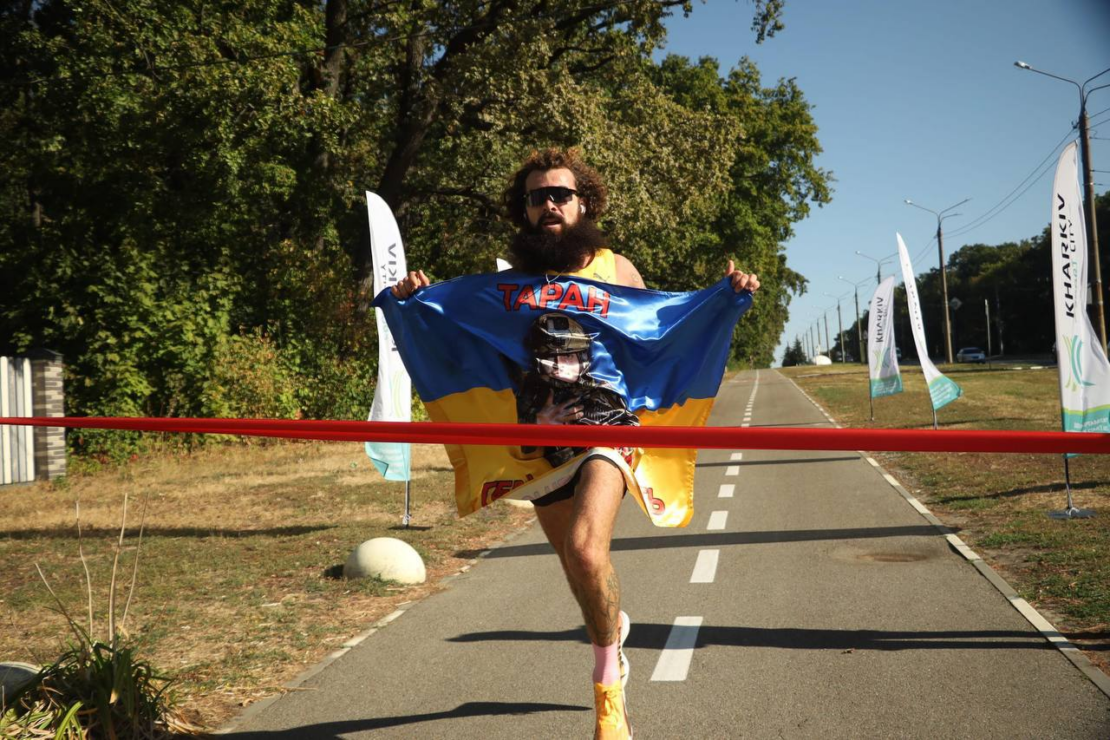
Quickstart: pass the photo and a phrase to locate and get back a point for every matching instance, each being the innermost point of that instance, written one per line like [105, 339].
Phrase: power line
[1007, 200]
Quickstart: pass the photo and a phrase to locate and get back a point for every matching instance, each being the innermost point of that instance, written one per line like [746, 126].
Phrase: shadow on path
[654, 637]
[336, 730]
[724, 538]
[198, 532]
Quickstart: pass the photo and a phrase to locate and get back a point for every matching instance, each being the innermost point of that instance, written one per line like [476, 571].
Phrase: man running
[555, 199]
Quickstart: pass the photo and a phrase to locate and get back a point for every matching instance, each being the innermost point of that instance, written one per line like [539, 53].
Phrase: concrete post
[48, 399]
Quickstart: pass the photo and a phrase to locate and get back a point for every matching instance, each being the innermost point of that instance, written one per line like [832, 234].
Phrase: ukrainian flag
[466, 344]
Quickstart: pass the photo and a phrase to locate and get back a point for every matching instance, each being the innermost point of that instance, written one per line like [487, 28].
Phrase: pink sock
[607, 667]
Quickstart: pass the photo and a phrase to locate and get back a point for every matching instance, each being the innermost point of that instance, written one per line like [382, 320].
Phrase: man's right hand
[567, 412]
[406, 286]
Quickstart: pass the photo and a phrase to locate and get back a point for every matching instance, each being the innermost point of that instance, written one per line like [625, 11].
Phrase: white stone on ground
[387, 558]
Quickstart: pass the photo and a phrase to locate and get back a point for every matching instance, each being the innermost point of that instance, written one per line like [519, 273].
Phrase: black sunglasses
[557, 195]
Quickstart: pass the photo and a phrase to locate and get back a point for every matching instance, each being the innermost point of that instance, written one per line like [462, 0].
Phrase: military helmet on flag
[557, 334]
[560, 347]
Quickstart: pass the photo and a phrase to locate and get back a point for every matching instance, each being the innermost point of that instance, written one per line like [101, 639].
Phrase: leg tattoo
[601, 608]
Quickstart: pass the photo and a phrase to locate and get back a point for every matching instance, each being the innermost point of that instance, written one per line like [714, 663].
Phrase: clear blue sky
[920, 101]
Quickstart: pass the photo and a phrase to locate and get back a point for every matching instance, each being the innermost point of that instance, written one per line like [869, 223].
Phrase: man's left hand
[741, 280]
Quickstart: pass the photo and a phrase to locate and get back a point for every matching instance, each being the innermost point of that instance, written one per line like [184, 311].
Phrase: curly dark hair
[591, 190]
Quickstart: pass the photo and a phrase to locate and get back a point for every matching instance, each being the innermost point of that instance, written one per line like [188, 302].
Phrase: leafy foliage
[184, 179]
[794, 355]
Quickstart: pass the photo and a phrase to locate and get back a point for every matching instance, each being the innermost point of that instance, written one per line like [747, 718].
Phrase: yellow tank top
[602, 268]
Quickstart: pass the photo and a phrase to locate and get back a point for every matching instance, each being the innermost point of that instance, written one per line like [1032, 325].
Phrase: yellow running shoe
[613, 722]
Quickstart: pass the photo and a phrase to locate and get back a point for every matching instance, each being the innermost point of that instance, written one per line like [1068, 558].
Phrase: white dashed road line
[674, 661]
[737, 456]
[727, 489]
[705, 568]
[717, 520]
[732, 470]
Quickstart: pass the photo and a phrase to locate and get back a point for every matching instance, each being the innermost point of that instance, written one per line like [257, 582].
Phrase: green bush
[250, 379]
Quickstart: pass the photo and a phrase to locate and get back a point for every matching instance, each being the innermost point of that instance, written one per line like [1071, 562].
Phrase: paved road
[834, 610]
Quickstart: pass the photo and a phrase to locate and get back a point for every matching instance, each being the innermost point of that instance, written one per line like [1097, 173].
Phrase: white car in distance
[971, 354]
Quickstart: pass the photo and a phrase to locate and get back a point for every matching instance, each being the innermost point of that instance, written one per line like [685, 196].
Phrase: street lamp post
[943, 272]
[878, 265]
[859, 329]
[1088, 188]
[840, 326]
[828, 344]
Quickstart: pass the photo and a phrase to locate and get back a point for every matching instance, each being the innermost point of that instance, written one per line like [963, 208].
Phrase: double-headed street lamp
[1088, 187]
[943, 273]
[859, 329]
[878, 265]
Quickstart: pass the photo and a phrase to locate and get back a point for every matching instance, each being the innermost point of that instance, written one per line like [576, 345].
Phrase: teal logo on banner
[943, 391]
[886, 386]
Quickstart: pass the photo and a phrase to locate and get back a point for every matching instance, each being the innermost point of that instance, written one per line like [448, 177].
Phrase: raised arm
[411, 283]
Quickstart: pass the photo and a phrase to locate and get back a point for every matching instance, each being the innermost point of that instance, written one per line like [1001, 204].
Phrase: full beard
[537, 251]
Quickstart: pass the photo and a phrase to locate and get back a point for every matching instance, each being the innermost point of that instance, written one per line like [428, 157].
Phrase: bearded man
[555, 199]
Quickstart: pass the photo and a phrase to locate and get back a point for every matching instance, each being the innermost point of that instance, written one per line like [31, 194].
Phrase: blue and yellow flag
[510, 347]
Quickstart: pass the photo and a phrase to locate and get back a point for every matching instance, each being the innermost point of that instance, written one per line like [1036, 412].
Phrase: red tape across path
[759, 438]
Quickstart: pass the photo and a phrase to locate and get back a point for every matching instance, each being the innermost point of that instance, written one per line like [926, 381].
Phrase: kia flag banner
[882, 360]
[1084, 372]
[508, 347]
[942, 391]
[393, 393]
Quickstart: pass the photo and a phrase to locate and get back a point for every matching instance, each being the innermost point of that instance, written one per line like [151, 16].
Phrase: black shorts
[567, 491]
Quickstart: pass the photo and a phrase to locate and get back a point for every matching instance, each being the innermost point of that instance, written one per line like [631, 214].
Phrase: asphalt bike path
[805, 599]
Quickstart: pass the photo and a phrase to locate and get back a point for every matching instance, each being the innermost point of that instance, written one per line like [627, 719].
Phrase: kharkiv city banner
[882, 360]
[942, 391]
[506, 347]
[393, 393]
[1084, 373]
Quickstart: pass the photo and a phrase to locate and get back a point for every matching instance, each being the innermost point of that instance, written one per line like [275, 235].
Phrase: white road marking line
[732, 470]
[717, 520]
[872, 461]
[736, 456]
[705, 568]
[674, 661]
[890, 479]
[727, 489]
[918, 505]
[745, 424]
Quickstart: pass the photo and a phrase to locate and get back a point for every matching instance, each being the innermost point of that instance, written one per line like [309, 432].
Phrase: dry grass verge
[238, 586]
[999, 502]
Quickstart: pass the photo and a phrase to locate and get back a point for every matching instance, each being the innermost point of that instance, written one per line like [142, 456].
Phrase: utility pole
[828, 344]
[943, 272]
[1092, 225]
[1088, 189]
[859, 329]
[987, 307]
[840, 323]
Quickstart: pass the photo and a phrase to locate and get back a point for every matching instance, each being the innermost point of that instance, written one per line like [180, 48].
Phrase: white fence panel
[17, 446]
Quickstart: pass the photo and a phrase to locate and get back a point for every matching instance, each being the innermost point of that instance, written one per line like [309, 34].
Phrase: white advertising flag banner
[942, 391]
[1084, 372]
[882, 360]
[393, 393]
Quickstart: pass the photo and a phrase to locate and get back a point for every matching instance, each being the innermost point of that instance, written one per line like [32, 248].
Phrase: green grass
[238, 587]
[998, 502]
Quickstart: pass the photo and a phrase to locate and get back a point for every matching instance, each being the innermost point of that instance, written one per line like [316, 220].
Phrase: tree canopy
[184, 178]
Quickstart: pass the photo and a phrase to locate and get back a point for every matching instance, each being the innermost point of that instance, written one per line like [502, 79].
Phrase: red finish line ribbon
[747, 438]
